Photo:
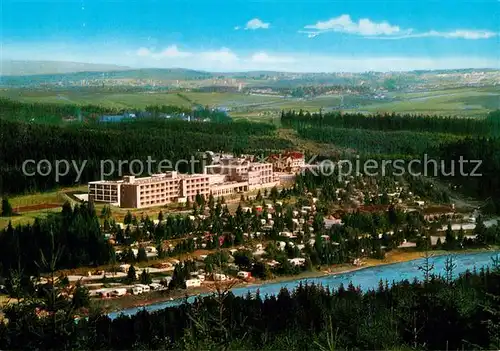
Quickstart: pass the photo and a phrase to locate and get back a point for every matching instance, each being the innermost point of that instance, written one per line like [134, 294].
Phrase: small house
[297, 261]
[273, 263]
[219, 277]
[244, 274]
[193, 283]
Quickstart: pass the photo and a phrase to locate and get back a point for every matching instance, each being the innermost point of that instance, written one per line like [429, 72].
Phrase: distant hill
[113, 72]
[27, 68]
[19, 74]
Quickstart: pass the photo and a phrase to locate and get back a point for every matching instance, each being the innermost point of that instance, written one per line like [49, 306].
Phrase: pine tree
[199, 200]
[142, 256]
[6, 208]
[259, 196]
[450, 240]
[160, 251]
[449, 267]
[274, 194]
[145, 277]
[493, 310]
[480, 231]
[427, 267]
[128, 218]
[81, 297]
[131, 274]
[211, 201]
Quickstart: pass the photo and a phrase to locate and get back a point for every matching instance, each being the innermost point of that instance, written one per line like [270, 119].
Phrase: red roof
[292, 154]
[295, 154]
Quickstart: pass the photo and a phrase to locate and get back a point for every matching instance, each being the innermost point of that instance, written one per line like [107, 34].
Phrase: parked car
[119, 292]
[156, 286]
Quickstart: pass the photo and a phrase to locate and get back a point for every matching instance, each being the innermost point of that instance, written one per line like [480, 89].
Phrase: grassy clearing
[136, 99]
[27, 217]
[114, 100]
[463, 101]
[36, 199]
[229, 99]
[52, 197]
[255, 116]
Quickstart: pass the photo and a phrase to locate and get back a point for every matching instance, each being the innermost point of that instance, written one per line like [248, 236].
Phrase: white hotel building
[230, 176]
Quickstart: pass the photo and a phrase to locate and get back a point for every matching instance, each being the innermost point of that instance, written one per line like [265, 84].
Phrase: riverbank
[395, 256]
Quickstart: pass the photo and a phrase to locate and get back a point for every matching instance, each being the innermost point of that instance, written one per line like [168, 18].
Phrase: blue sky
[236, 35]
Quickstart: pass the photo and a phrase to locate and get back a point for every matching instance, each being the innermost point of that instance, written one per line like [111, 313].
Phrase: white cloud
[262, 57]
[225, 60]
[464, 34]
[344, 24]
[256, 23]
[334, 63]
[457, 34]
[143, 52]
[223, 55]
[170, 52]
[383, 30]
[173, 52]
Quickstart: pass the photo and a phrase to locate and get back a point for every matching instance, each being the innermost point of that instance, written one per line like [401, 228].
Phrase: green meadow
[465, 101]
[461, 102]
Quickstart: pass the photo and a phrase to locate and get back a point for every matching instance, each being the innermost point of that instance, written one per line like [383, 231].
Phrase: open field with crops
[120, 100]
[465, 101]
[462, 102]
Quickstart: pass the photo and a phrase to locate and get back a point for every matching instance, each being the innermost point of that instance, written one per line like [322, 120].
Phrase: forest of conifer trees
[92, 143]
[435, 314]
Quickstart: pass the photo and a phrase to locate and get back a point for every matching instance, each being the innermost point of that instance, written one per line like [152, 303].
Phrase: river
[365, 278]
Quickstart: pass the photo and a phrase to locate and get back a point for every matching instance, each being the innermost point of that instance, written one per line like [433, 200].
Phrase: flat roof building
[157, 190]
[230, 176]
[105, 191]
